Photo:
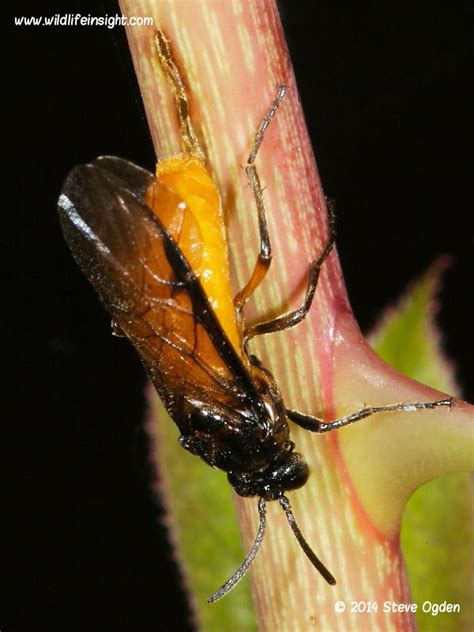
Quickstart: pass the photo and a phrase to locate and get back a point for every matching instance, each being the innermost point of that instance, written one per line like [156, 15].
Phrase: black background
[387, 96]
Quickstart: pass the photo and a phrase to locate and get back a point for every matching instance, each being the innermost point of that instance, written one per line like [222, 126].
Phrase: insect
[138, 239]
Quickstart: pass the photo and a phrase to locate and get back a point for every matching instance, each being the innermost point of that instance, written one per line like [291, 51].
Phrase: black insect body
[125, 229]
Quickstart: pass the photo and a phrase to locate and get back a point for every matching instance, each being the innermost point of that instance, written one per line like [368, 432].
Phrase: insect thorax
[251, 443]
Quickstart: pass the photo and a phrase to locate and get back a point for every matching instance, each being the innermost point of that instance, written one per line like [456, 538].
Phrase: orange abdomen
[196, 222]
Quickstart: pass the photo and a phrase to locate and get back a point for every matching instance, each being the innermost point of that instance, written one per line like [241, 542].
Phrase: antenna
[240, 572]
[318, 565]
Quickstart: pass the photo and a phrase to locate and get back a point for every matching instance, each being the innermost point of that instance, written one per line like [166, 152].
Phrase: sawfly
[138, 238]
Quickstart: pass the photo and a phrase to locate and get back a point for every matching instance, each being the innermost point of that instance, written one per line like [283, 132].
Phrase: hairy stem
[233, 56]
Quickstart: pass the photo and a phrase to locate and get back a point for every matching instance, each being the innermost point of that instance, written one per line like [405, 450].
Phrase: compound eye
[292, 473]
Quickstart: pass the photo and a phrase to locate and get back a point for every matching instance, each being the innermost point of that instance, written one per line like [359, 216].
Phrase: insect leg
[188, 133]
[265, 255]
[290, 319]
[318, 425]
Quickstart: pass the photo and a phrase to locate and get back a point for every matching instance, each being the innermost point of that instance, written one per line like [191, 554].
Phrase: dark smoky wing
[133, 264]
[134, 177]
[99, 218]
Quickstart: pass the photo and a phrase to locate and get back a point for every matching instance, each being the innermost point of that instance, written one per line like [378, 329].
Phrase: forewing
[147, 285]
